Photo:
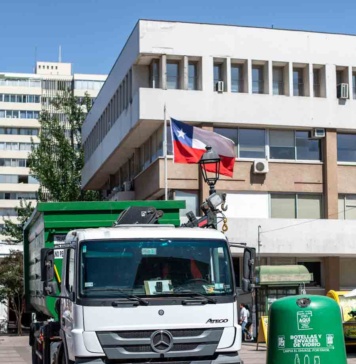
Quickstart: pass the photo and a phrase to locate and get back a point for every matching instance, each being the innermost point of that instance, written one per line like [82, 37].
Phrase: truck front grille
[138, 345]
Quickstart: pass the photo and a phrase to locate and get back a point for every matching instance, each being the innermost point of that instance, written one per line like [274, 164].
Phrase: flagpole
[165, 154]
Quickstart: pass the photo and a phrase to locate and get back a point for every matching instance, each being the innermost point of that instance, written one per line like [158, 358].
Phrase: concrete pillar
[163, 72]
[332, 273]
[330, 175]
[290, 68]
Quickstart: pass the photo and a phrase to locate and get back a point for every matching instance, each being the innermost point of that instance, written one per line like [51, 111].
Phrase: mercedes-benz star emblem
[161, 341]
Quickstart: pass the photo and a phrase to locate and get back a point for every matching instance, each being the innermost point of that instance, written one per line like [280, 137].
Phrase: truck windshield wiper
[194, 294]
[131, 297]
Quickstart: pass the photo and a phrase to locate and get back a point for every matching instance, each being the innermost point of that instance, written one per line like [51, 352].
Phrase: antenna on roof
[35, 55]
[60, 54]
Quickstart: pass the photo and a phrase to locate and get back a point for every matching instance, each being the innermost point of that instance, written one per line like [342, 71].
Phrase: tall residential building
[287, 99]
[22, 97]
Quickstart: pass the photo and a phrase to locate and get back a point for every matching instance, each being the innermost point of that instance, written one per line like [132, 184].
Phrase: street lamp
[210, 162]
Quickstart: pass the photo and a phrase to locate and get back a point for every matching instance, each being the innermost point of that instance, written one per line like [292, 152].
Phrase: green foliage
[14, 231]
[11, 284]
[56, 162]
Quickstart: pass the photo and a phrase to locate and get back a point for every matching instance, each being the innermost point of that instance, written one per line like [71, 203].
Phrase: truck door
[68, 284]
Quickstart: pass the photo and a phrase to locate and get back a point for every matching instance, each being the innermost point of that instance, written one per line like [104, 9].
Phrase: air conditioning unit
[219, 86]
[318, 133]
[127, 186]
[343, 91]
[260, 166]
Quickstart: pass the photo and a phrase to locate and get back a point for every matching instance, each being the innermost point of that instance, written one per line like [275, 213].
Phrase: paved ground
[15, 350]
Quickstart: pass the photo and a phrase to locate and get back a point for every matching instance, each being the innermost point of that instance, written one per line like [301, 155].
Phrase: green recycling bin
[305, 329]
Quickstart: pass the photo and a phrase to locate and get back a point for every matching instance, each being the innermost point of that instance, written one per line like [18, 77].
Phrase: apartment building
[287, 99]
[22, 97]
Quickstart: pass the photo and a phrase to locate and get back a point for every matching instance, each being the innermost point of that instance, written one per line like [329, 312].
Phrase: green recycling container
[305, 329]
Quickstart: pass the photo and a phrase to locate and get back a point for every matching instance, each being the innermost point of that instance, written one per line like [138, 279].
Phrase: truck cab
[139, 293]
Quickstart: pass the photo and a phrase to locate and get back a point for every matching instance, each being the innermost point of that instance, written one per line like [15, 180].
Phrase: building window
[231, 133]
[298, 84]
[296, 206]
[278, 82]
[172, 75]
[316, 82]
[346, 147]
[257, 80]
[293, 145]
[191, 201]
[154, 74]
[281, 144]
[354, 85]
[192, 76]
[307, 149]
[218, 73]
[237, 80]
[347, 207]
[252, 143]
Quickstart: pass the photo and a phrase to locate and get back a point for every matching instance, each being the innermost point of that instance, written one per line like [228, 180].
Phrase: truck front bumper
[226, 358]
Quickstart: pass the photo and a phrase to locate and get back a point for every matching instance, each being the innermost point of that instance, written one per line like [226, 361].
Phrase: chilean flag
[189, 144]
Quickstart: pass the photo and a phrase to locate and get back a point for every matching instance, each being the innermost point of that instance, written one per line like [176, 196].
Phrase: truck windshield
[154, 267]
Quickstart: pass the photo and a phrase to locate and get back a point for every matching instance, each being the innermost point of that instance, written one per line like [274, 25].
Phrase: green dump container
[305, 329]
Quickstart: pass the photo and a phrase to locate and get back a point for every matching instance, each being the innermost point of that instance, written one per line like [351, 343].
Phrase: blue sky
[93, 32]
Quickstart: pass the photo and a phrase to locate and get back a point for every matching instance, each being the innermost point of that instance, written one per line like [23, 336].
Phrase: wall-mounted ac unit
[219, 86]
[343, 91]
[127, 186]
[318, 133]
[260, 166]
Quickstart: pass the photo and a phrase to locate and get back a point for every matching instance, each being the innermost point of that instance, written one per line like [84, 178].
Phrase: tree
[11, 285]
[56, 162]
[14, 231]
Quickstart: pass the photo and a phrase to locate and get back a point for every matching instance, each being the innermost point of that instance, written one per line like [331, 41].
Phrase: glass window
[309, 207]
[347, 207]
[107, 268]
[283, 206]
[278, 83]
[229, 133]
[307, 149]
[237, 81]
[281, 144]
[257, 80]
[300, 206]
[172, 75]
[217, 73]
[192, 76]
[346, 147]
[191, 201]
[2, 113]
[298, 85]
[252, 143]
[23, 114]
[316, 82]
[354, 85]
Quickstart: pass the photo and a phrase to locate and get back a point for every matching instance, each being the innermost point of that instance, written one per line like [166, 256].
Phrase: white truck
[143, 293]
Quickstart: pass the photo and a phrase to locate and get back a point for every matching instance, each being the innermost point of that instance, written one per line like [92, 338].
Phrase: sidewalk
[14, 350]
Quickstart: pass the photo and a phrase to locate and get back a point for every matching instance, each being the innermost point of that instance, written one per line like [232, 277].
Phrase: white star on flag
[181, 134]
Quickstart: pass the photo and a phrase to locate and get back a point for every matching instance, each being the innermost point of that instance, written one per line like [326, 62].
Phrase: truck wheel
[64, 359]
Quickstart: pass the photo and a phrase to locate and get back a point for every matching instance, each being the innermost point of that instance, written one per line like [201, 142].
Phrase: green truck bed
[51, 221]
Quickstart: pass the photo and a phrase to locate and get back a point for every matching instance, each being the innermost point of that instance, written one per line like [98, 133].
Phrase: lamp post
[210, 163]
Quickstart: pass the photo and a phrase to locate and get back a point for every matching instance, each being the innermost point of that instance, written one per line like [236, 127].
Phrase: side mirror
[47, 264]
[248, 269]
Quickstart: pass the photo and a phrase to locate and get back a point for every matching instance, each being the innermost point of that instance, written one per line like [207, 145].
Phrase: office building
[22, 97]
[288, 100]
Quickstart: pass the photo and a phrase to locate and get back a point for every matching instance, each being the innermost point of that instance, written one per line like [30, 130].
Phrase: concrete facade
[289, 100]
[22, 98]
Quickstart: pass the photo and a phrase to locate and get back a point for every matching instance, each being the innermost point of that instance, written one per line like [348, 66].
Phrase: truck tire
[64, 358]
